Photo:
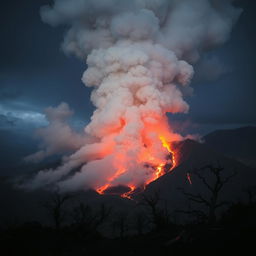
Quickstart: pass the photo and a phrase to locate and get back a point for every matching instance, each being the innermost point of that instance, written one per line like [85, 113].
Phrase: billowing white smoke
[139, 55]
[57, 137]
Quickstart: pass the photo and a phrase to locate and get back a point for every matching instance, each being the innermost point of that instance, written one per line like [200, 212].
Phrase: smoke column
[139, 56]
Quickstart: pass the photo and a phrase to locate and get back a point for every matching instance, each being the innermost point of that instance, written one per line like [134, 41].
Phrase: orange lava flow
[160, 168]
[103, 188]
[157, 166]
[168, 147]
[129, 193]
[189, 178]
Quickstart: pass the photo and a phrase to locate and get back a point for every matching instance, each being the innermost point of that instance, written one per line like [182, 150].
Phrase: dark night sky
[35, 73]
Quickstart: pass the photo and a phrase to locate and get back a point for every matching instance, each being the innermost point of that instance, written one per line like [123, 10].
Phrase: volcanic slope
[236, 143]
[192, 156]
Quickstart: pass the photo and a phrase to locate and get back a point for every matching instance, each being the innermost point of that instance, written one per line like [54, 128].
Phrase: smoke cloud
[57, 137]
[139, 57]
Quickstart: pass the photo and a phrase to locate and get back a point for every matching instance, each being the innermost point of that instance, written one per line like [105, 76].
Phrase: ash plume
[139, 56]
[58, 137]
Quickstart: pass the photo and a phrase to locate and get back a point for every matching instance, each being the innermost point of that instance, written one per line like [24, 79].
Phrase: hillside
[236, 143]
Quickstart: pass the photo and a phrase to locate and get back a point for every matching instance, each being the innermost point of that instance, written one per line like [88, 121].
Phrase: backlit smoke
[139, 56]
[57, 137]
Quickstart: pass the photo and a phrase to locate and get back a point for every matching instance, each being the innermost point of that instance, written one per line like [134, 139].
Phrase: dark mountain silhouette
[192, 156]
[236, 143]
[16, 203]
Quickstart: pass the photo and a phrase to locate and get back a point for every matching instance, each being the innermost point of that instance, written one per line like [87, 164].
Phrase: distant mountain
[236, 143]
[191, 156]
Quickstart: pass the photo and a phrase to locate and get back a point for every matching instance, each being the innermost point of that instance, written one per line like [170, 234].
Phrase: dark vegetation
[78, 228]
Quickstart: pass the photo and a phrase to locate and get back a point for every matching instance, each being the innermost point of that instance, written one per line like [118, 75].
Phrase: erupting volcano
[139, 57]
[156, 168]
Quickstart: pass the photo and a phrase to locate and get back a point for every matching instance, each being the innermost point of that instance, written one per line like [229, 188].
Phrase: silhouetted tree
[140, 222]
[120, 224]
[251, 192]
[199, 215]
[240, 215]
[160, 217]
[212, 202]
[55, 206]
[86, 218]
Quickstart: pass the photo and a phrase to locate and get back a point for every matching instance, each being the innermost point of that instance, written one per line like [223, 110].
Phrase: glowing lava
[129, 193]
[159, 169]
[138, 69]
[168, 147]
[158, 166]
[189, 178]
[101, 190]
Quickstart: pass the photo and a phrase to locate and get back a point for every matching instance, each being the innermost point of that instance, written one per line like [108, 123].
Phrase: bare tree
[212, 203]
[55, 206]
[120, 224]
[81, 214]
[251, 193]
[140, 222]
[103, 214]
[160, 217]
[85, 217]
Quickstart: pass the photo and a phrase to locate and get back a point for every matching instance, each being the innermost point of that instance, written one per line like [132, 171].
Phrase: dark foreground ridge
[207, 204]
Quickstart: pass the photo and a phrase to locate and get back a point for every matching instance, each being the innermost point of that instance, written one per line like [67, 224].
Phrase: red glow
[103, 188]
[129, 193]
[168, 147]
[158, 161]
[189, 178]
